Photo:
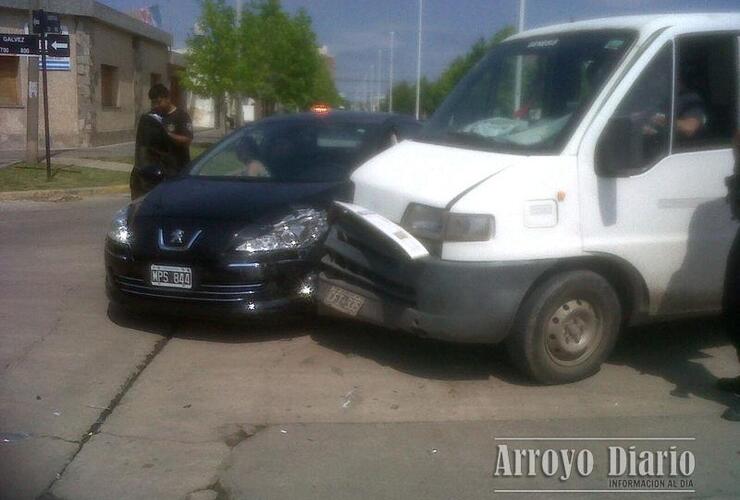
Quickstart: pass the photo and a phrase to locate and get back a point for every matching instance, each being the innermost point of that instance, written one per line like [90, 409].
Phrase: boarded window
[109, 85]
[9, 84]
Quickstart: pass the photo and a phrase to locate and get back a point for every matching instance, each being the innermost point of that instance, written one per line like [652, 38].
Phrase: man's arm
[182, 140]
[183, 134]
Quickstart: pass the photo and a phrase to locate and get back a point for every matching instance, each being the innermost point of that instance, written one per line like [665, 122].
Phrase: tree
[212, 54]
[270, 56]
[433, 93]
[281, 62]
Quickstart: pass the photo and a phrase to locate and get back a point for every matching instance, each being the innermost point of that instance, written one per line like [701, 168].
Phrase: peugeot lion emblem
[176, 241]
[176, 237]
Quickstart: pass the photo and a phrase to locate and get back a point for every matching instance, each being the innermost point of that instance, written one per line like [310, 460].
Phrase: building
[97, 94]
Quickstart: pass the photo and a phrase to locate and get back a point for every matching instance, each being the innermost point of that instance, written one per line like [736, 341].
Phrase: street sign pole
[46, 106]
[32, 104]
[43, 27]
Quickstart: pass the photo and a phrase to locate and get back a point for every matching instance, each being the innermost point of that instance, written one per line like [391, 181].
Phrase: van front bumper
[469, 302]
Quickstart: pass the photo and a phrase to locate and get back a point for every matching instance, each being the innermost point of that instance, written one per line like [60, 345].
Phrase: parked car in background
[239, 232]
[571, 184]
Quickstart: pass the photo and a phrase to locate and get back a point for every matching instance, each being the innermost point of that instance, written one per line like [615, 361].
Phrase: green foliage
[433, 93]
[212, 55]
[272, 56]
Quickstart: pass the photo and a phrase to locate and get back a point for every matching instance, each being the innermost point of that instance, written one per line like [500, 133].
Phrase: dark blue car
[239, 233]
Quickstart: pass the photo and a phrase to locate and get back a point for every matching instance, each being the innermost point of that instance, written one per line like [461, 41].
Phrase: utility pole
[239, 109]
[379, 81]
[518, 75]
[418, 60]
[32, 100]
[390, 76]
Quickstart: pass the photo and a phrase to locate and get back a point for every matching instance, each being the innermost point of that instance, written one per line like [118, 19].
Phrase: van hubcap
[573, 332]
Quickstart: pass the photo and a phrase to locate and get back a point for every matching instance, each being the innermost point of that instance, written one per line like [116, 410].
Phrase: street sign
[57, 45]
[30, 45]
[46, 22]
[12, 44]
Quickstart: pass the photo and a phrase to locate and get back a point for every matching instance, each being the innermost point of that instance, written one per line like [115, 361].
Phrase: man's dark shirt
[178, 122]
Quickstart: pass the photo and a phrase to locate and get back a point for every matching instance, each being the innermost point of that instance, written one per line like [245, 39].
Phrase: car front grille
[202, 292]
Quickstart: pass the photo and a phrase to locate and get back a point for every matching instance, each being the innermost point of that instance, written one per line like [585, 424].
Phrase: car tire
[566, 328]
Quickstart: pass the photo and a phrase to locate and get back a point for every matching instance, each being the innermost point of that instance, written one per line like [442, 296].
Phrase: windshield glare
[310, 151]
[528, 95]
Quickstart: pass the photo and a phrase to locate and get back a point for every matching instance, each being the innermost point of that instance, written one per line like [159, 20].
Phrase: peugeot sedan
[239, 232]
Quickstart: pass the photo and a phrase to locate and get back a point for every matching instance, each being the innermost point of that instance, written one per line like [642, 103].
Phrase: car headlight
[119, 231]
[437, 224]
[299, 229]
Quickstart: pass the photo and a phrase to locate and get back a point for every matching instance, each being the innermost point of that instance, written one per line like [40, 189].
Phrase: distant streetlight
[518, 74]
[379, 80]
[390, 76]
[418, 60]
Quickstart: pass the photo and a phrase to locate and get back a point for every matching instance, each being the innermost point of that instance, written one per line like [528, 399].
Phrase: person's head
[159, 95]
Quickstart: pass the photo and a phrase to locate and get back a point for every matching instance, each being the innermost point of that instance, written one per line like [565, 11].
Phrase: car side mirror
[619, 150]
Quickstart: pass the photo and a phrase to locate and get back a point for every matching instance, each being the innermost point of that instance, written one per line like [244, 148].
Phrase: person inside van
[691, 115]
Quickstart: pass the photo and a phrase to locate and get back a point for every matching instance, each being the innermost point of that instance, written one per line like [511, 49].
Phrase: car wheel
[566, 328]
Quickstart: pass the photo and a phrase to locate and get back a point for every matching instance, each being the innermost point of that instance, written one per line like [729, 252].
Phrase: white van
[572, 183]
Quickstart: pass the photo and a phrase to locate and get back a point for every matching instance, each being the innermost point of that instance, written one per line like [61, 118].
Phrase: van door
[657, 170]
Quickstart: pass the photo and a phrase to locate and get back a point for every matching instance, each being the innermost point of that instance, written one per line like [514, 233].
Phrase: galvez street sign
[12, 44]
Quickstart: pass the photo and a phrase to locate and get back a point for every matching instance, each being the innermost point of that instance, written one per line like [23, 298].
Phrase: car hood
[209, 199]
[431, 174]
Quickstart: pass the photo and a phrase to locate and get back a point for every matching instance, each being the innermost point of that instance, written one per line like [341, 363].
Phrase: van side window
[638, 135]
[706, 92]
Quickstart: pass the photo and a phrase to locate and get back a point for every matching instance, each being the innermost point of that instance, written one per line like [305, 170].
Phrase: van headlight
[438, 224]
[299, 229]
[119, 231]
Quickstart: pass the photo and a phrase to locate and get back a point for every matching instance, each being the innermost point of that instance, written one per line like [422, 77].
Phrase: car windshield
[289, 151]
[527, 95]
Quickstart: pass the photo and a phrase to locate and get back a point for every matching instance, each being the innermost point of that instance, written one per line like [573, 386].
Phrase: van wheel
[566, 328]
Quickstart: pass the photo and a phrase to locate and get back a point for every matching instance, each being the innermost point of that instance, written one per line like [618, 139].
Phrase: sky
[356, 30]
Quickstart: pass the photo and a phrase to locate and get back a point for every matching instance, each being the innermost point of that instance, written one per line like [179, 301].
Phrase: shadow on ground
[264, 329]
[425, 358]
[671, 351]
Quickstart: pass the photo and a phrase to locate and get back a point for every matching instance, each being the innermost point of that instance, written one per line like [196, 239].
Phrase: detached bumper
[456, 301]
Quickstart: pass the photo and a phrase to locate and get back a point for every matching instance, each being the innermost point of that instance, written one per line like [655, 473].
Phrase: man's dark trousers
[731, 298]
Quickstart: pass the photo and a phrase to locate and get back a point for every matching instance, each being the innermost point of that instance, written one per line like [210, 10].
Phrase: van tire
[566, 328]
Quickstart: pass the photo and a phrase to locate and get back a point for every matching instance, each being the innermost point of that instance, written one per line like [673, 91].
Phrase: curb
[62, 194]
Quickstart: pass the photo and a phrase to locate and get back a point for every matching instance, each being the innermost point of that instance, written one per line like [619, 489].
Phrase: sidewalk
[115, 154]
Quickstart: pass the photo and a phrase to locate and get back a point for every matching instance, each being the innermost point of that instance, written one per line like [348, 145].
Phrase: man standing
[177, 124]
[731, 302]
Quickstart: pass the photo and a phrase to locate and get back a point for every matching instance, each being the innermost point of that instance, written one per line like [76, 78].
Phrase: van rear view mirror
[618, 152]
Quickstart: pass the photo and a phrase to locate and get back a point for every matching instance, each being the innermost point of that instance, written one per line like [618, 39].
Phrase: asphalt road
[98, 405]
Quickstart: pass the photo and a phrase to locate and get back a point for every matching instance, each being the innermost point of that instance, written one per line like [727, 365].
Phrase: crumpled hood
[423, 173]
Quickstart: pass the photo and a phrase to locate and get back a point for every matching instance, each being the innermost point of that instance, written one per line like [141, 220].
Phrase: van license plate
[171, 277]
[344, 301]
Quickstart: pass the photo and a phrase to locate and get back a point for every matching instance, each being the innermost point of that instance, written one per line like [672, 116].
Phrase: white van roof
[645, 25]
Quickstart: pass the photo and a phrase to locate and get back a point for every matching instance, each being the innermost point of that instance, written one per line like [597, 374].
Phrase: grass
[195, 151]
[28, 177]
[114, 159]
[25, 177]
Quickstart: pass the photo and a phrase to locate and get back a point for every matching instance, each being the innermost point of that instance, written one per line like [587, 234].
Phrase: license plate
[171, 276]
[342, 300]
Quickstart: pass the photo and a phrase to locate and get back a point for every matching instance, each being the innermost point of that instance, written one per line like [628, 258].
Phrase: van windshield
[528, 95]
